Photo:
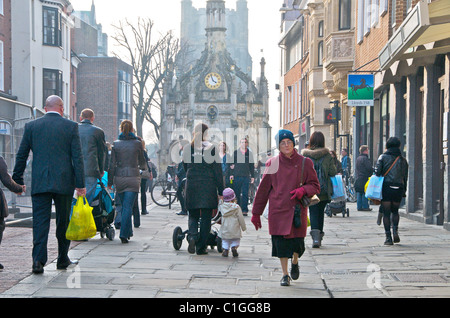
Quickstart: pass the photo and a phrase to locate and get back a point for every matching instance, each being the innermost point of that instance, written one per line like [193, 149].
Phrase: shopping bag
[82, 224]
[338, 188]
[375, 188]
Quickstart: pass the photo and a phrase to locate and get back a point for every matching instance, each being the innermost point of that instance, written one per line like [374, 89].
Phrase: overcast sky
[264, 30]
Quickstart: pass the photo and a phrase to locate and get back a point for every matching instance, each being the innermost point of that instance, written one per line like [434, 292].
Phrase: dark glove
[298, 193]
[256, 220]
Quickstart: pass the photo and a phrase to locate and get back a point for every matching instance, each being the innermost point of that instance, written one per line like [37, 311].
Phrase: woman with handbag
[127, 161]
[325, 168]
[284, 184]
[394, 167]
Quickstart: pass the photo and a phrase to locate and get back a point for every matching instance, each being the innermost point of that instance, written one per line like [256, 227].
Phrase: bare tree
[149, 59]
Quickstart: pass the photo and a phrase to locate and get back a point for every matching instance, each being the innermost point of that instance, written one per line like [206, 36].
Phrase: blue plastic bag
[375, 188]
[338, 188]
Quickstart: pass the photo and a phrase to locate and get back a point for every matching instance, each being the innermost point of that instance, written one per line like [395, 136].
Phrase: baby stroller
[213, 238]
[337, 206]
[338, 199]
[103, 210]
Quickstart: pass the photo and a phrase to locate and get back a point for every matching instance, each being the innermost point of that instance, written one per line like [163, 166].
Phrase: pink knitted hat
[228, 195]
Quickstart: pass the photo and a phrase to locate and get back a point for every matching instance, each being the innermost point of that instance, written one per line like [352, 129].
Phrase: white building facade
[41, 55]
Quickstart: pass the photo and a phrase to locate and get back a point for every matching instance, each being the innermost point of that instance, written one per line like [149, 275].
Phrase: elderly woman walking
[281, 186]
[394, 167]
[127, 161]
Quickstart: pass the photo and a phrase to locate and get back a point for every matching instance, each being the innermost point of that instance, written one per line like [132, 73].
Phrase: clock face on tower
[213, 81]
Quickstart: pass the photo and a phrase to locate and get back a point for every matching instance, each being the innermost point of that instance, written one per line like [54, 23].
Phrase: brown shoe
[225, 253]
[234, 251]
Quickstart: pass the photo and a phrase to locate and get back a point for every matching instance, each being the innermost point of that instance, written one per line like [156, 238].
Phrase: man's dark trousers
[240, 187]
[42, 207]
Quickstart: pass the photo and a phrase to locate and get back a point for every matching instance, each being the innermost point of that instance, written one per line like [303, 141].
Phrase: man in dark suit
[57, 171]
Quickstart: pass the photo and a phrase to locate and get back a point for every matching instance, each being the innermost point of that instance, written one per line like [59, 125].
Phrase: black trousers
[200, 218]
[2, 228]
[42, 207]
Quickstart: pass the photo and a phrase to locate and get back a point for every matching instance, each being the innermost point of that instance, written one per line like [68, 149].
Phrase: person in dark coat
[127, 161]
[13, 187]
[280, 186]
[181, 175]
[93, 145]
[58, 170]
[204, 187]
[394, 186]
[243, 173]
[363, 171]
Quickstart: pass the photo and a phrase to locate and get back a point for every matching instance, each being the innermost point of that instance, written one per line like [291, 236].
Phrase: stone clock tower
[214, 91]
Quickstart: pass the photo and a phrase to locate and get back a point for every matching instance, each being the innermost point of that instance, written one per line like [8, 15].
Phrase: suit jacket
[57, 158]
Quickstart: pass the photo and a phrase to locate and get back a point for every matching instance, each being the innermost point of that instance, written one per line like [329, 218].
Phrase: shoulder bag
[307, 201]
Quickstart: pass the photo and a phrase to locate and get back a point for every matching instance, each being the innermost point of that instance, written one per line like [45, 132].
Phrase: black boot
[315, 235]
[395, 234]
[388, 239]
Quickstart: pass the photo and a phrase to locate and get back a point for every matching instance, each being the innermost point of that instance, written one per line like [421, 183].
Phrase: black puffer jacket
[398, 175]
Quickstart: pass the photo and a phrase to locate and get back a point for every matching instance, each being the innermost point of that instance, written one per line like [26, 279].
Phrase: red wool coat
[282, 175]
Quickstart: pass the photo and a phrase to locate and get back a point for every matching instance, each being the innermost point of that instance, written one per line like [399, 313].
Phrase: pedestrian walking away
[127, 161]
[57, 171]
[144, 181]
[243, 173]
[204, 187]
[394, 167]
[8, 182]
[325, 168]
[232, 223]
[280, 186]
[363, 171]
[93, 146]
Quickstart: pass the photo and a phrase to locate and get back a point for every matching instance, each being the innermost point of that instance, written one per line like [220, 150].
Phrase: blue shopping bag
[338, 188]
[375, 188]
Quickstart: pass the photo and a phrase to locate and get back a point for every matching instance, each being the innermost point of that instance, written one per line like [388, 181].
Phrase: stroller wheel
[348, 212]
[328, 211]
[110, 233]
[177, 238]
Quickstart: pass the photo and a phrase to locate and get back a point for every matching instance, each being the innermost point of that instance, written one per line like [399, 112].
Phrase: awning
[426, 23]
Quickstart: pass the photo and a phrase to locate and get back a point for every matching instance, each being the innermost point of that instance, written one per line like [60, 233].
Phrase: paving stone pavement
[353, 262]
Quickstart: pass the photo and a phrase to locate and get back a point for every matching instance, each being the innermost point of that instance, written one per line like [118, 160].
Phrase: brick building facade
[105, 85]
[406, 47]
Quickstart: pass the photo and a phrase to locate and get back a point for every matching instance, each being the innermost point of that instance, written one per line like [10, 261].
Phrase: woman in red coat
[280, 185]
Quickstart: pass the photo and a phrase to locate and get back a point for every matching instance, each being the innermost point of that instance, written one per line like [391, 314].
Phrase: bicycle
[350, 189]
[164, 190]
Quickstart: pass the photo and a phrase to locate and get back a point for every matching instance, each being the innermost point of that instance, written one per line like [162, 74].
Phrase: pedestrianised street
[352, 263]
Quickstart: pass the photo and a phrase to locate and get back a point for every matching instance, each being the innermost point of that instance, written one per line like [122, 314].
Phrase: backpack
[323, 180]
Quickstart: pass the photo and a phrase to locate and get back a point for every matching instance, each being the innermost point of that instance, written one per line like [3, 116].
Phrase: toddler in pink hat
[233, 223]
